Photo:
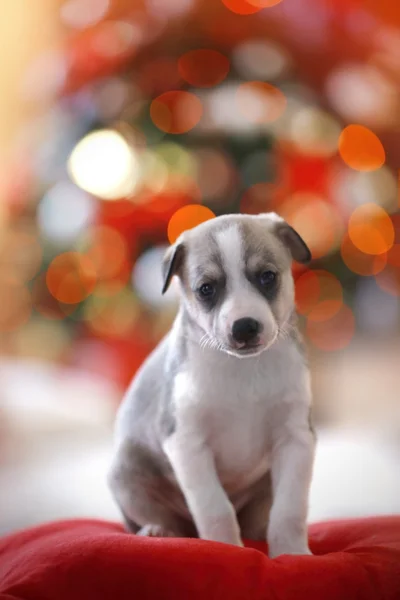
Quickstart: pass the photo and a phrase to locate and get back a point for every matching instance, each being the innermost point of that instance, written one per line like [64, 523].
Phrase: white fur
[231, 429]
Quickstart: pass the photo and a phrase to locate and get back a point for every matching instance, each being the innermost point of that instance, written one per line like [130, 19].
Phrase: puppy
[213, 438]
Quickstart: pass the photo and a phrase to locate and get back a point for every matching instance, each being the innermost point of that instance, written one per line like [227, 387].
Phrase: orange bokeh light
[319, 295]
[15, 307]
[359, 262]
[187, 217]
[203, 68]
[334, 333]
[71, 277]
[371, 229]
[260, 102]
[264, 3]
[302, 211]
[241, 7]
[361, 149]
[176, 112]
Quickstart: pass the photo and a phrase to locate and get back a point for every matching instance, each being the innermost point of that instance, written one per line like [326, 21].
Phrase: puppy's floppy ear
[297, 246]
[171, 264]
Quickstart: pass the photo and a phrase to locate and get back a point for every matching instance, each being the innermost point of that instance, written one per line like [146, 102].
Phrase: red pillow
[92, 560]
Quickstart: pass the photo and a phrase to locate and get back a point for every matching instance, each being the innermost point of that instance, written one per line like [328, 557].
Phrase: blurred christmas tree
[151, 106]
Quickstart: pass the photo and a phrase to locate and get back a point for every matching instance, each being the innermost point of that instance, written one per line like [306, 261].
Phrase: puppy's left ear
[171, 264]
[297, 246]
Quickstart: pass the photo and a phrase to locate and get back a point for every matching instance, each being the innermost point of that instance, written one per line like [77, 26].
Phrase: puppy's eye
[267, 278]
[207, 290]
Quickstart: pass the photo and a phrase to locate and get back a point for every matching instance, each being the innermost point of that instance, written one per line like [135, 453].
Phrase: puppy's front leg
[194, 468]
[292, 464]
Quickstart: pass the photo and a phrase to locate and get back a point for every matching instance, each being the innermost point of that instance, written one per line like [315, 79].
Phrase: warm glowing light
[360, 148]
[314, 132]
[264, 3]
[187, 217]
[359, 262]
[334, 333]
[319, 295]
[241, 7]
[104, 164]
[203, 68]
[260, 102]
[15, 306]
[43, 339]
[371, 229]
[303, 211]
[71, 277]
[176, 112]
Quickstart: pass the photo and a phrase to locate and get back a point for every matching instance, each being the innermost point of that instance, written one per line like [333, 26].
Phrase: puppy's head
[236, 280]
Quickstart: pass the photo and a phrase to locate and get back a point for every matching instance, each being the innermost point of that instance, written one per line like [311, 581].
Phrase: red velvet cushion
[91, 560]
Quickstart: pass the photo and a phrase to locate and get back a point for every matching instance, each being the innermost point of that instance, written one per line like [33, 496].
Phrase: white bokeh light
[83, 13]
[104, 164]
[64, 212]
[148, 282]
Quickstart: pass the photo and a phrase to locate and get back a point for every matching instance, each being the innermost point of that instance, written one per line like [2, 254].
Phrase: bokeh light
[361, 93]
[360, 148]
[319, 295]
[359, 262]
[15, 306]
[261, 59]
[264, 3]
[148, 282]
[114, 316]
[64, 212]
[241, 7]
[107, 250]
[104, 164]
[83, 13]
[176, 111]
[302, 211]
[314, 131]
[260, 102]
[187, 217]
[334, 333]
[371, 229]
[351, 189]
[71, 277]
[203, 68]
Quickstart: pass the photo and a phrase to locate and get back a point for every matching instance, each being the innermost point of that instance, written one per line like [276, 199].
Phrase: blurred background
[122, 122]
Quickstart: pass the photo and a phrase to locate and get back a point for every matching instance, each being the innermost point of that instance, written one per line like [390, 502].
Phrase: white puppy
[213, 438]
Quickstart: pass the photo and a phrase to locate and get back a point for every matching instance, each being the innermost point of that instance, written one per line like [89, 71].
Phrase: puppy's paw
[153, 530]
[293, 551]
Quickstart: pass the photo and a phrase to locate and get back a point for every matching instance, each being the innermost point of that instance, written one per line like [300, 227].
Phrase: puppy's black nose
[245, 330]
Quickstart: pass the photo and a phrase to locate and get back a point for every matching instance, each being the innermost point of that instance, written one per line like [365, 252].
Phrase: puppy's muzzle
[246, 332]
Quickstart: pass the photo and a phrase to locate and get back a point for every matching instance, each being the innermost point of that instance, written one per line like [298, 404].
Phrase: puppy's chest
[234, 412]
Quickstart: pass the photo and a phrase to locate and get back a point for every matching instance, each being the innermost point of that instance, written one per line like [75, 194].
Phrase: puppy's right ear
[171, 264]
